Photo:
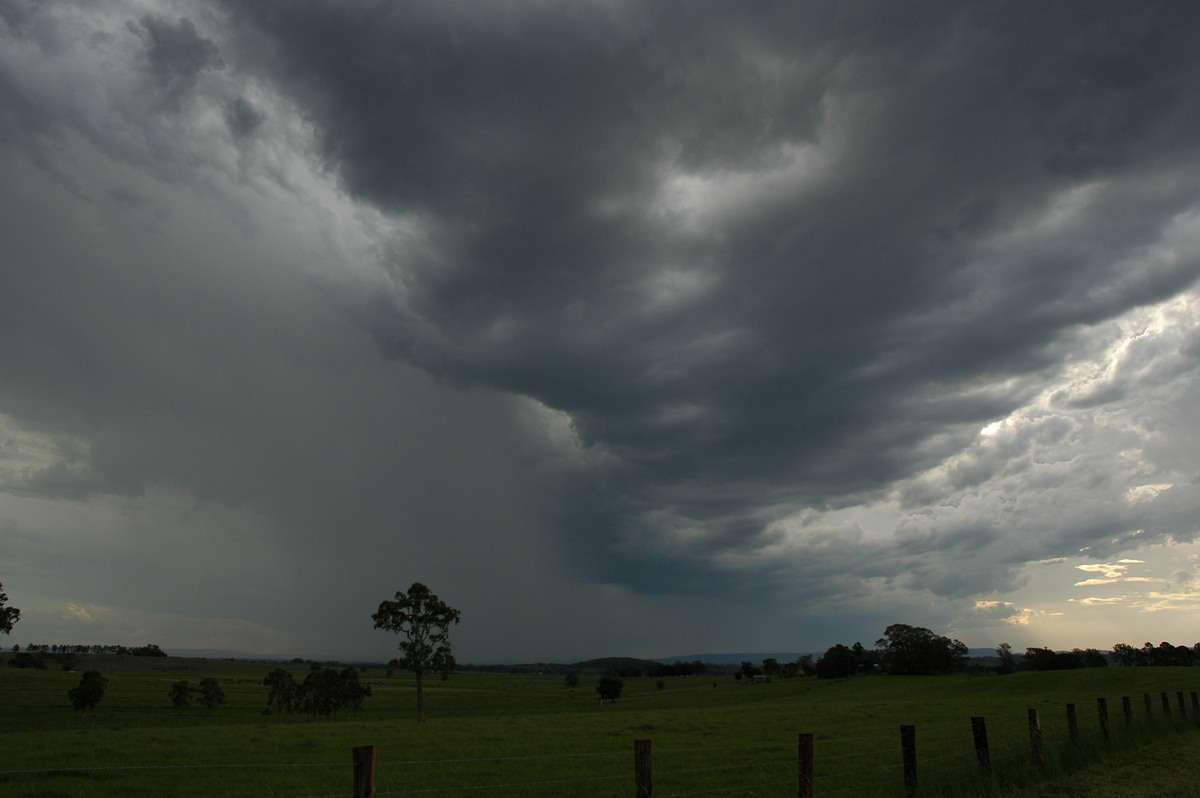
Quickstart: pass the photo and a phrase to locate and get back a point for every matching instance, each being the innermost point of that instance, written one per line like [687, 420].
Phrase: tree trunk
[420, 698]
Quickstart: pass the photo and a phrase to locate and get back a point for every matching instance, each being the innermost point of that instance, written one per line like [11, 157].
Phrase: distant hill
[737, 658]
[598, 665]
[214, 653]
[616, 663]
[792, 656]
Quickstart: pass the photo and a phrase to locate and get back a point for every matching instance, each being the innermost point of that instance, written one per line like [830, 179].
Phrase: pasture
[529, 735]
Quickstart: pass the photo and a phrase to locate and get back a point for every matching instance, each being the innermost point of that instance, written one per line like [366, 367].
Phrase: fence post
[1179, 703]
[1072, 724]
[1195, 703]
[364, 771]
[908, 752]
[982, 753]
[805, 756]
[1146, 701]
[1035, 737]
[643, 782]
[1127, 710]
[1102, 709]
[1166, 704]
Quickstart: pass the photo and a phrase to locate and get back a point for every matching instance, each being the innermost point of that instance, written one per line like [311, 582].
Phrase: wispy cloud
[1094, 602]
[1009, 613]
[76, 613]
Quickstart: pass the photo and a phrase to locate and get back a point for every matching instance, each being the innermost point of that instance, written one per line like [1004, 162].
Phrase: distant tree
[148, 650]
[1149, 654]
[1038, 659]
[1090, 657]
[1008, 663]
[351, 692]
[1167, 654]
[749, 670]
[318, 693]
[211, 694]
[840, 661]
[864, 660]
[1126, 655]
[181, 694]
[89, 692]
[610, 686]
[571, 680]
[905, 649]
[328, 691]
[836, 663]
[423, 620]
[805, 665]
[283, 690]
[1045, 659]
[8, 615]
[771, 667]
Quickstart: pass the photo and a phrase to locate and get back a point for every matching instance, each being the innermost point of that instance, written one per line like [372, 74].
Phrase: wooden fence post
[1195, 703]
[1035, 737]
[1102, 709]
[1072, 724]
[805, 757]
[642, 778]
[908, 752]
[364, 771]
[1166, 704]
[1127, 710]
[1146, 701]
[982, 753]
[1180, 704]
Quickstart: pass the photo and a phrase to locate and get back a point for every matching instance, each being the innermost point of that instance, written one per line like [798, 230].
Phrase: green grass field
[513, 735]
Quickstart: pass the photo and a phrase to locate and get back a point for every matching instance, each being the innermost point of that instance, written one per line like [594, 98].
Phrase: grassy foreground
[510, 735]
[1168, 767]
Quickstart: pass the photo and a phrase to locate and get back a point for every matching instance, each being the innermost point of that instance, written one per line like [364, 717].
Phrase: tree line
[323, 692]
[210, 692]
[148, 650]
[903, 650]
[1162, 654]
[908, 649]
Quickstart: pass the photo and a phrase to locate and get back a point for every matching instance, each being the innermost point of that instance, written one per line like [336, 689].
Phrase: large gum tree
[423, 622]
[8, 615]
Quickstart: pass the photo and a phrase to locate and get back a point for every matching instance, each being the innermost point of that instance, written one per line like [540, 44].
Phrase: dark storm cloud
[242, 117]
[176, 54]
[827, 324]
[826, 310]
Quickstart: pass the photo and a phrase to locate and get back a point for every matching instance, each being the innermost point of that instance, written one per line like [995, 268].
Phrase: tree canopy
[8, 615]
[211, 694]
[180, 693]
[840, 661]
[905, 649]
[423, 621]
[89, 691]
[610, 686]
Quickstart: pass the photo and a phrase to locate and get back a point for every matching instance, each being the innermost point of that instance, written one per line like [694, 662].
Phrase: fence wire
[874, 765]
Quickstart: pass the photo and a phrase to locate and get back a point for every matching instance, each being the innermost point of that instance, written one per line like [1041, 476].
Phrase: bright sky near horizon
[630, 328]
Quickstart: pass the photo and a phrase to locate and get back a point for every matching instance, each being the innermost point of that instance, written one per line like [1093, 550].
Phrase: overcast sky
[638, 328]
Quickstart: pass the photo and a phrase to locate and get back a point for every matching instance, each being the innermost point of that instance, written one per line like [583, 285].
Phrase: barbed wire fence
[979, 756]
